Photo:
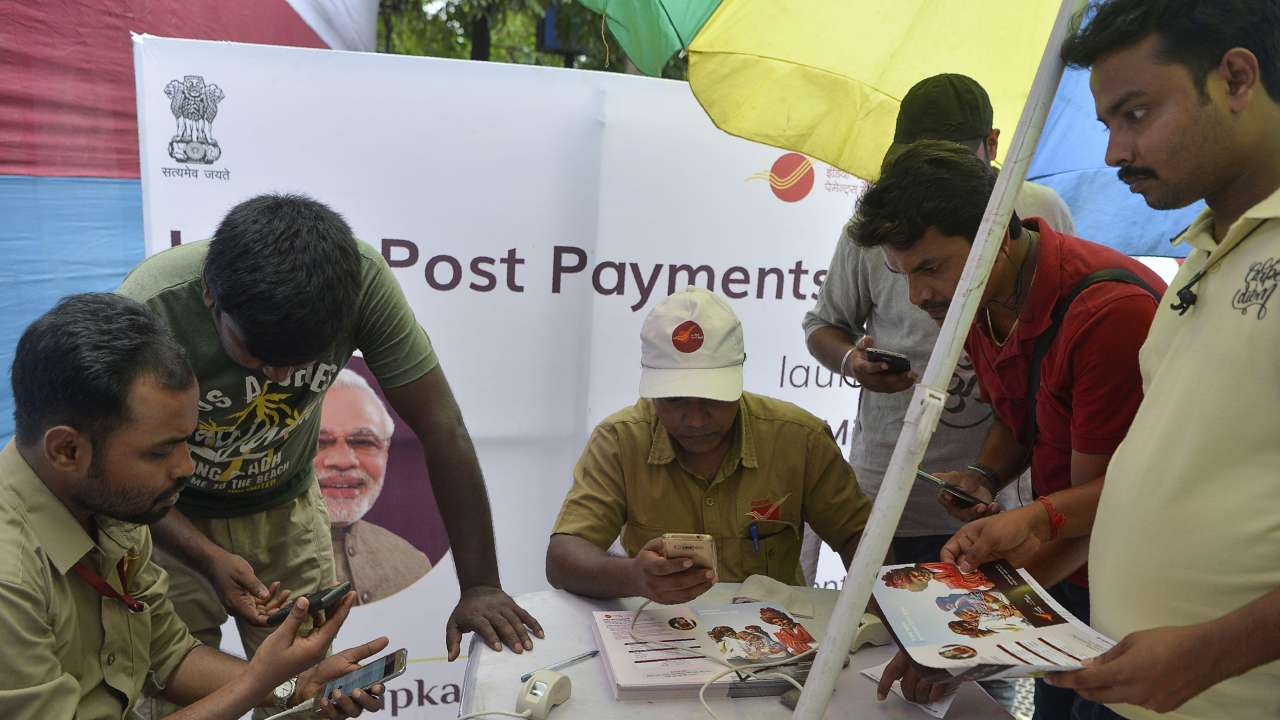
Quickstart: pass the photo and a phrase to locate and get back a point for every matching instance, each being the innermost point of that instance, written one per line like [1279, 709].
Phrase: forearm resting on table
[582, 568]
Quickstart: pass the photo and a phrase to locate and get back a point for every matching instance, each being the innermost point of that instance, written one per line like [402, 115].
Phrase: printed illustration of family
[753, 643]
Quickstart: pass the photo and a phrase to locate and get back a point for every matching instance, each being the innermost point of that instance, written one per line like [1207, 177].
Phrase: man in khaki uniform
[104, 401]
[351, 467]
[698, 455]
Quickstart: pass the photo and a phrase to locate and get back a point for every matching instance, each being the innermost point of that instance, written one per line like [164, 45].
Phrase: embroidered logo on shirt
[687, 337]
[767, 509]
[1260, 282]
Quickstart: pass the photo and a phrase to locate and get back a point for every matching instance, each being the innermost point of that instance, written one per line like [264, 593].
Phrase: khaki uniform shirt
[783, 469]
[378, 562]
[69, 652]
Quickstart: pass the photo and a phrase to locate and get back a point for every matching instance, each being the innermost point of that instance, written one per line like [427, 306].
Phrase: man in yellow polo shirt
[698, 455]
[1184, 556]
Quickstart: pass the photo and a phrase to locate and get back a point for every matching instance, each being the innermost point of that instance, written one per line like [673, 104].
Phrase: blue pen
[755, 536]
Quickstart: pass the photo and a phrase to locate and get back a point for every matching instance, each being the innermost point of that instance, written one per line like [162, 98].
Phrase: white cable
[504, 713]
[747, 670]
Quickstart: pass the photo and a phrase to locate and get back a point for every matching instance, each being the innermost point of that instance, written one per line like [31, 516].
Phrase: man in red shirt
[1054, 344]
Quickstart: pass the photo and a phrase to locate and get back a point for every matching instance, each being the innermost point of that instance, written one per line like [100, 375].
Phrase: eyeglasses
[361, 443]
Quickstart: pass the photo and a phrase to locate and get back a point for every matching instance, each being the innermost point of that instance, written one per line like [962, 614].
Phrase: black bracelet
[990, 475]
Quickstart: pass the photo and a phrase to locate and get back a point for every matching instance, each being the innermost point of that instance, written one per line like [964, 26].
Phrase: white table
[492, 679]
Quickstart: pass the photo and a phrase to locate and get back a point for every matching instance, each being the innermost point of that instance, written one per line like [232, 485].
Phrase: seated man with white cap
[696, 454]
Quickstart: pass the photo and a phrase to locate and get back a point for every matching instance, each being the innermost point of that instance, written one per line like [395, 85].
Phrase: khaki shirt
[378, 562]
[1188, 525]
[783, 469]
[69, 652]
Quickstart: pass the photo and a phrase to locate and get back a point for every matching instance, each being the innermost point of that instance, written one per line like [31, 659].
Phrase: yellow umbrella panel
[824, 77]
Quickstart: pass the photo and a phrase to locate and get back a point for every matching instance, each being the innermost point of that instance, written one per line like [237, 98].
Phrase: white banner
[533, 216]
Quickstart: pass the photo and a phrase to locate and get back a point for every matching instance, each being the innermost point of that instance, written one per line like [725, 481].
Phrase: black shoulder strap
[1046, 338]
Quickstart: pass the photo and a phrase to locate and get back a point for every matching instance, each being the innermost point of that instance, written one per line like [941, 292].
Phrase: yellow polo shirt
[783, 469]
[68, 651]
[1188, 527]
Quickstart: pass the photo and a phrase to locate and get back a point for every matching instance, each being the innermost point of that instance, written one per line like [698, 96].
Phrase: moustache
[1132, 173]
[340, 476]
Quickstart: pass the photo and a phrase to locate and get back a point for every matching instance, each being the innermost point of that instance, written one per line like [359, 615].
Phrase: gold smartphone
[696, 546]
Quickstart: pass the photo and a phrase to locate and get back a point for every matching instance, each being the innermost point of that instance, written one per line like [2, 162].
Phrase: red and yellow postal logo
[790, 178]
[766, 509]
[687, 337]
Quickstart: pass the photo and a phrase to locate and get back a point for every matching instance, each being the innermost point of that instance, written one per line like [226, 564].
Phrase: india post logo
[687, 337]
[790, 178]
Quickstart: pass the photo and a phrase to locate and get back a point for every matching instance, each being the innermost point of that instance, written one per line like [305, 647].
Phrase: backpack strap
[1045, 340]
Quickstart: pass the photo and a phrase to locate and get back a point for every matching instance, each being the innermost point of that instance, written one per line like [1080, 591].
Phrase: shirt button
[111, 658]
[364, 597]
[351, 550]
[710, 501]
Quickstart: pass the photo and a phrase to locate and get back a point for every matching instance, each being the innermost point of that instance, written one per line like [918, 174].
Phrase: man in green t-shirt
[269, 311]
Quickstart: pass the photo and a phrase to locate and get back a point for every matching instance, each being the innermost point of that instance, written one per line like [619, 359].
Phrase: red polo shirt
[1090, 384]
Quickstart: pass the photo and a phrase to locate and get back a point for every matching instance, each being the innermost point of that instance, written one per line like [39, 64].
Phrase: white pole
[930, 395]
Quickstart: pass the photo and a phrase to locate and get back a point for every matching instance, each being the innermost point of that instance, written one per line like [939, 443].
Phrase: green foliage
[449, 28]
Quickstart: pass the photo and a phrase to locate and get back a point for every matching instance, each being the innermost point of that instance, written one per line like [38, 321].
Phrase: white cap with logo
[691, 346]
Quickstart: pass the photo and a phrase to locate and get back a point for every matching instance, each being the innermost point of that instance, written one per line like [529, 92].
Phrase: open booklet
[736, 635]
[993, 622]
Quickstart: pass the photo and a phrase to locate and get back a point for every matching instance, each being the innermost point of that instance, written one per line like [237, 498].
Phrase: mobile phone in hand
[897, 362]
[698, 547]
[316, 601]
[958, 496]
[379, 671]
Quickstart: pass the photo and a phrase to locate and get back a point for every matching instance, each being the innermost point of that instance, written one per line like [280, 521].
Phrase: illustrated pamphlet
[992, 622]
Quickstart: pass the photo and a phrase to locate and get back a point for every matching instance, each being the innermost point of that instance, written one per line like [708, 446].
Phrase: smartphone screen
[375, 672]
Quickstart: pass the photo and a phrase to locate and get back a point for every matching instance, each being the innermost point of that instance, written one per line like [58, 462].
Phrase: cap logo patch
[687, 337]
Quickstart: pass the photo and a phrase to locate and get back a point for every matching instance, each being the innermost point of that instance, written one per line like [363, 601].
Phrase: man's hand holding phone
[318, 603]
[285, 654]
[665, 580]
[970, 483]
[876, 374]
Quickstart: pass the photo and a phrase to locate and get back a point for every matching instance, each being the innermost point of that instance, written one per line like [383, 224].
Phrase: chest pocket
[778, 555]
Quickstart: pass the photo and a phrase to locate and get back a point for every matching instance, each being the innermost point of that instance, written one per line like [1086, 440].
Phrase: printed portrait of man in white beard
[351, 467]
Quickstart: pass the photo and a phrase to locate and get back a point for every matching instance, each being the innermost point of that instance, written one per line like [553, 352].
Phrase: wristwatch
[284, 693]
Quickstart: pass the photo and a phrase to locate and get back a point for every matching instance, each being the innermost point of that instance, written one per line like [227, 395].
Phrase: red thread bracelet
[1056, 519]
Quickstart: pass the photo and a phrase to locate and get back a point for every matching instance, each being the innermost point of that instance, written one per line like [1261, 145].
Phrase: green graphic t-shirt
[256, 438]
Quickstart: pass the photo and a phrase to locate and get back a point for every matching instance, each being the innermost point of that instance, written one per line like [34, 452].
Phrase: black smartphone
[960, 497]
[897, 362]
[316, 601]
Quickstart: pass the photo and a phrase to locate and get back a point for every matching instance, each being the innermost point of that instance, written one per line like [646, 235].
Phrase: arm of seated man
[834, 506]
[579, 566]
[593, 514]
[217, 686]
